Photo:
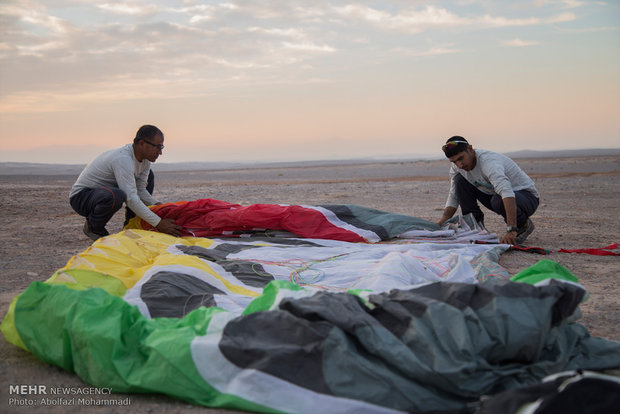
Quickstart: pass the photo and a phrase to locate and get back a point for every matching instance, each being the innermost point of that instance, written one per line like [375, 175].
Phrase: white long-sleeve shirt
[120, 168]
[494, 173]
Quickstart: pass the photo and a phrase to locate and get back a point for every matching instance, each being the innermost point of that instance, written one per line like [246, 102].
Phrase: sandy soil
[579, 208]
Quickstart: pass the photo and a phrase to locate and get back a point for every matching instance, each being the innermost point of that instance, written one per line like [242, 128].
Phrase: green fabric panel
[85, 279]
[109, 343]
[267, 299]
[82, 279]
[544, 269]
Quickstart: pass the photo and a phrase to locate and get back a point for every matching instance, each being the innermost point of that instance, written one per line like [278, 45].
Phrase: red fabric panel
[208, 217]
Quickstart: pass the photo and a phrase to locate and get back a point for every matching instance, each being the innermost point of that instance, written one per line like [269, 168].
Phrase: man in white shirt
[494, 180]
[120, 176]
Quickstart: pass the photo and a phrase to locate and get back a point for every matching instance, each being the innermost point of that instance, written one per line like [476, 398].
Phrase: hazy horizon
[250, 80]
[32, 167]
[40, 156]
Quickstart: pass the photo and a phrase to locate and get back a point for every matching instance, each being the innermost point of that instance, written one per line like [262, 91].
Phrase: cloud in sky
[431, 17]
[73, 57]
[85, 41]
[520, 43]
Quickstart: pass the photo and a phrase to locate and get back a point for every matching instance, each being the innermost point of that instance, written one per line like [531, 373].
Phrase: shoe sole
[91, 234]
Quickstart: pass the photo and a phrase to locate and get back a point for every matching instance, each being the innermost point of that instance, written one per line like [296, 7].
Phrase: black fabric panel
[462, 295]
[584, 396]
[341, 309]
[249, 273]
[587, 396]
[278, 344]
[345, 214]
[332, 343]
[290, 342]
[459, 295]
[211, 255]
[571, 298]
[297, 341]
[170, 294]
[219, 252]
[395, 310]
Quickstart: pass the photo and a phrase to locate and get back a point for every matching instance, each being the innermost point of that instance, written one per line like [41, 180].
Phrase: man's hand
[167, 226]
[509, 238]
[448, 212]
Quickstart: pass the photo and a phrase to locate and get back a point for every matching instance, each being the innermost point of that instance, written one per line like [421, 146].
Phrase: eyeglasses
[452, 144]
[160, 147]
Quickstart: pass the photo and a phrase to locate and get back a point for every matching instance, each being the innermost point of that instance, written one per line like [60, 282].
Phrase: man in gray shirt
[120, 176]
[494, 180]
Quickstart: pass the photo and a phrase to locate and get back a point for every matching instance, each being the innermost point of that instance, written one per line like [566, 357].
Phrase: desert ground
[579, 209]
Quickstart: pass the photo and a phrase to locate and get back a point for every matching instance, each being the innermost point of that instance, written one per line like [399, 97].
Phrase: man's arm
[448, 212]
[123, 168]
[452, 202]
[141, 184]
[510, 206]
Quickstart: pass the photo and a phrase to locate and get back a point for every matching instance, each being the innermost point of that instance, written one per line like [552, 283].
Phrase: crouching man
[496, 182]
[120, 176]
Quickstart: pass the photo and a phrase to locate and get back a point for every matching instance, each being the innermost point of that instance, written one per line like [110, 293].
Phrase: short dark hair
[454, 145]
[147, 132]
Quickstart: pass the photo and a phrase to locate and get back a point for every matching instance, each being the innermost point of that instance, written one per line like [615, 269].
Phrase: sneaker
[524, 231]
[93, 235]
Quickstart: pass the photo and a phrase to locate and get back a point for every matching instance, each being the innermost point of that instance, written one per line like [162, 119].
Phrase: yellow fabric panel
[85, 279]
[8, 328]
[129, 254]
[133, 223]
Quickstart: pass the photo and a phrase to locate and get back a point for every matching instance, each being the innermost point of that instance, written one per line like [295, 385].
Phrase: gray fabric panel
[433, 348]
[384, 224]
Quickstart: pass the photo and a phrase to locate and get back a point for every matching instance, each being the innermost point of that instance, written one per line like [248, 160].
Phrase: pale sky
[302, 80]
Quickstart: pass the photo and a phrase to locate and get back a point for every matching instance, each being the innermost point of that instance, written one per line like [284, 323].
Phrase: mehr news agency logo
[43, 395]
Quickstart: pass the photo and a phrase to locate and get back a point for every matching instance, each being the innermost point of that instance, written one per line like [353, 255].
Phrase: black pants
[98, 205]
[468, 196]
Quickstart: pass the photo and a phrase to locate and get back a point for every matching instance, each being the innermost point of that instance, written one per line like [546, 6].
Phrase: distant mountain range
[591, 152]
[25, 168]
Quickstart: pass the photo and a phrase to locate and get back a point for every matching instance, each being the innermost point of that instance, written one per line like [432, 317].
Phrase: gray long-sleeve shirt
[494, 173]
[120, 168]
